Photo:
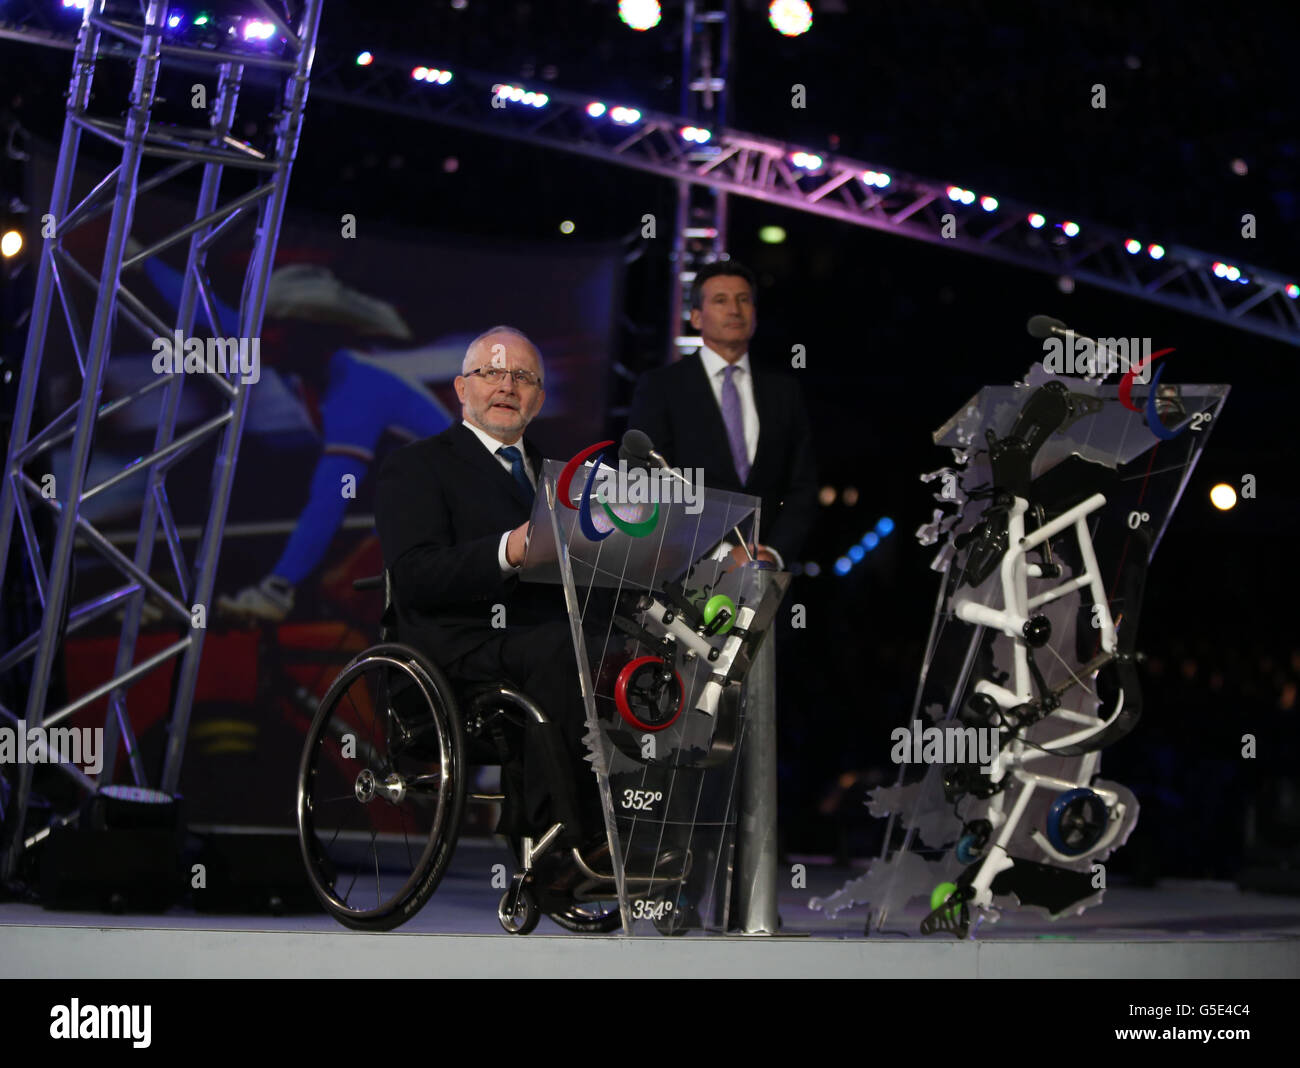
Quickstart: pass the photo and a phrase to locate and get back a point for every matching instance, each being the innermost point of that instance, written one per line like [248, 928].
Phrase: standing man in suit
[452, 512]
[747, 429]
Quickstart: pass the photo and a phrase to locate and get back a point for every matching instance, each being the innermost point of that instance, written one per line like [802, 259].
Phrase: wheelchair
[383, 786]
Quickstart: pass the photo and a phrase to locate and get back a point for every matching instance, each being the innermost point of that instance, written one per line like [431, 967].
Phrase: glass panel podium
[665, 636]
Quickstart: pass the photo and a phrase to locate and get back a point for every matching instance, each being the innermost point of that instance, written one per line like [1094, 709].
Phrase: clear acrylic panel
[666, 636]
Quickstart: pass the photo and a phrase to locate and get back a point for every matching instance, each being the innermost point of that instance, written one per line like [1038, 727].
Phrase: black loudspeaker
[124, 855]
[257, 872]
[114, 870]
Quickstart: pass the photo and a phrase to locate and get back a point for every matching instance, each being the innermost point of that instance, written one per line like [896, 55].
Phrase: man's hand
[517, 545]
[739, 557]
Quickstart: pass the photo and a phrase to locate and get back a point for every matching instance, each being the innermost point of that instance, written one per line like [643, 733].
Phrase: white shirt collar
[492, 444]
[715, 364]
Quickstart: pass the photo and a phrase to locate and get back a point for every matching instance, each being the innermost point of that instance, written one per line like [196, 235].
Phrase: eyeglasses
[494, 376]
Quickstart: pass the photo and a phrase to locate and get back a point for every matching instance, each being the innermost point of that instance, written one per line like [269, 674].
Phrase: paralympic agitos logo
[619, 491]
[1151, 410]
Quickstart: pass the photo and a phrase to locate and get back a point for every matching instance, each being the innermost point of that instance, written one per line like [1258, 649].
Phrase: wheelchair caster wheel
[968, 850]
[518, 911]
[589, 918]
[644, 698]
[1076, 821]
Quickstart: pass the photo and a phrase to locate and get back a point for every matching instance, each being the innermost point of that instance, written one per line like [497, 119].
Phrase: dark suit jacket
[675, 406]
[441, 506]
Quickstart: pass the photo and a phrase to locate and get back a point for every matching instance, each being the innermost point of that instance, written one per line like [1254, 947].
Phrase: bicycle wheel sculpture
[665, 638]
[1060, 491]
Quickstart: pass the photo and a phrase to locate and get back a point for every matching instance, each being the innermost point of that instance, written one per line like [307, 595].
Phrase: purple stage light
[258, 30]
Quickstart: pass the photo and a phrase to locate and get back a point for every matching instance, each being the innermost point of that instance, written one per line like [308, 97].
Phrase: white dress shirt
[491, 444]
[715, 367]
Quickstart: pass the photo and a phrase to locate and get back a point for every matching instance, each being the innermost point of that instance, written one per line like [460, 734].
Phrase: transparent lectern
[664, 638]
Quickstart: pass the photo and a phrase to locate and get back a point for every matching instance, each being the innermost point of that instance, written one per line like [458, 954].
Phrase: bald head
[502, 408]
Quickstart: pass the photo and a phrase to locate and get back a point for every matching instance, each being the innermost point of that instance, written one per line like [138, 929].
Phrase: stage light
[639, 14]
[876, 178]
[595, 109]
[364, 59]
[173, 21]
[1036, 220]
[1156, 252]
[625, 116]
[812, 569]
[202, 19]
[870, 540]
[444, 76]
[1239, 167]
[256, 29]
[857, 553]
[1234, 273]
[771, 235]
[989, 203]
[809, 161]
[419, 73]
[1132, 247]
[76, 5]
[843, 565]
[1223, 497]
[1071, 229]
[695, 133]
[11, 243]
[954, 192]
[849, 496]
[826, 495]
[1293, 291]
[885, 527]
[566, 227]
[790, 18]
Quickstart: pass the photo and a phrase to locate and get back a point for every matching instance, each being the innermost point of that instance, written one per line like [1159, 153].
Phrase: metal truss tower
[700, 226]
[100, 314]
[1220, 288]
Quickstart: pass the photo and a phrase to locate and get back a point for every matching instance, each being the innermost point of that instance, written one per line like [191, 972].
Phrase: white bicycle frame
[1016, 571]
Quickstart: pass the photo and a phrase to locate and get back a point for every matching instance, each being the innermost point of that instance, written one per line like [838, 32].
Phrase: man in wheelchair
[452, 513]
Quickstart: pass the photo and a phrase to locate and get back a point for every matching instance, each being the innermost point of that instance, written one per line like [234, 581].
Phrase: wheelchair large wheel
[381, 788]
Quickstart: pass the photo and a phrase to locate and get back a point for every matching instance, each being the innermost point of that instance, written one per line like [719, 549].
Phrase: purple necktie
[734, 420]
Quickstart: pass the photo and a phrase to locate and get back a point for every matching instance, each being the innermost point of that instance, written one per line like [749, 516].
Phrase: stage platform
[1175, 930]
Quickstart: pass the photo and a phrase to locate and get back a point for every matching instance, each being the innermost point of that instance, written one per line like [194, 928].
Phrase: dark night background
[994, 97]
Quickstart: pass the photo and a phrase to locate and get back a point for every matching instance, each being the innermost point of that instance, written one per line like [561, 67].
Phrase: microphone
[1042, 326]
[638, 448]
[1096, 361]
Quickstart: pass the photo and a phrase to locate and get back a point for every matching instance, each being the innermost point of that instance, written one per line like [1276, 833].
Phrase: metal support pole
[756, 845]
